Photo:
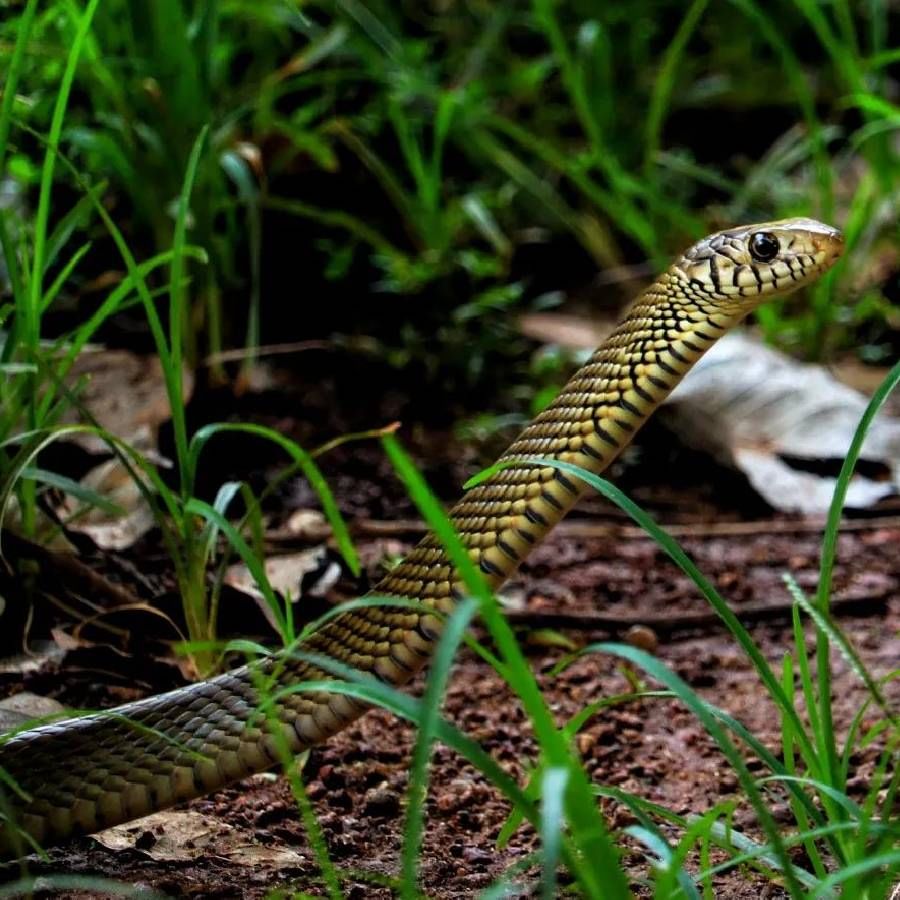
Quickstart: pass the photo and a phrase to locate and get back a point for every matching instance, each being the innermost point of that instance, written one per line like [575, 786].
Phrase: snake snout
[832, 243]
[824, 238]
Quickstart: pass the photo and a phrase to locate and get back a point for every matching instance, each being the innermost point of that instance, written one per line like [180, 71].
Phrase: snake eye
[764, 246]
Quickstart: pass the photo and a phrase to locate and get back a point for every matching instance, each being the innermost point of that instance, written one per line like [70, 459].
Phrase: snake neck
[595, 416]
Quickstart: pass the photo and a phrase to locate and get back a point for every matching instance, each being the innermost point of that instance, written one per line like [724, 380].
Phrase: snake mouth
[828, 239]
[833, 245]
[825, 239]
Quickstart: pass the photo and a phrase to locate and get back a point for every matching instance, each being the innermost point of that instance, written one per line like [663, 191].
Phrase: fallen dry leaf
[309, 572]
[176, 835]
[126, 394]
[574, 332]
[304, 523]
[285, 573]
[113, 481]
[783, 424]
[43, 654]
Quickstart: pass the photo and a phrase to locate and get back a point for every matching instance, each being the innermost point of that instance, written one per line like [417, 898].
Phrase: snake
[83, 774]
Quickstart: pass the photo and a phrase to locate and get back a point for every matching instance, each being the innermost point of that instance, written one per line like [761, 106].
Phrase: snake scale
[81, 775]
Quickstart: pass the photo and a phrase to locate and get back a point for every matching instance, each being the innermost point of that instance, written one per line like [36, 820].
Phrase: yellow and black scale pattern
[81, 775]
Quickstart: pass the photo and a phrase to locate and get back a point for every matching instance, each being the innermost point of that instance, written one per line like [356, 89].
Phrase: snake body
[81, 775]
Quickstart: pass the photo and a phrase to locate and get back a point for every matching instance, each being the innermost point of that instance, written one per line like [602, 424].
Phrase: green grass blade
[788, 740]
[755, 852]
[372, 692]
[314, 831]
[700, 709]
[832, 527]
[545, 193]
[17, 284]
[62, 278]
[74, 219]
[627, 215]
[178, 312]
[700, 830]
[42, 215]
[432, 697]
[553, 788]
[374, 28]
[796, 78]
[829, 552]
[134, 271]
[889, 861]
[335, 218]
[291, 768]
[302, 459]
[111, 304]
[224, 496]
[681, 559]
[195, 507]
[838, 639]
[806, 679]
[588, 829]
[73, 488]
[838, 797]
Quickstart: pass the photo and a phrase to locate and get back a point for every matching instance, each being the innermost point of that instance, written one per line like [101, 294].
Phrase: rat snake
[81, 775]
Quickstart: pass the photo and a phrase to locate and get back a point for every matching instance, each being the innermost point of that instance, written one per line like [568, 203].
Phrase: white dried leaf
[760, 410]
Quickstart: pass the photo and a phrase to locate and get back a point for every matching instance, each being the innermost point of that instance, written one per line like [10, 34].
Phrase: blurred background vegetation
[405, 177]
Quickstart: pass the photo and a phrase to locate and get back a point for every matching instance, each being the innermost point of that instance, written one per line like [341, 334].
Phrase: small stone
[643, 638]
[381, 801]
[332, 777]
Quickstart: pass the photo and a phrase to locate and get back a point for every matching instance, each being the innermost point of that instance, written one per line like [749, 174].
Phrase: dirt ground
[250, 840]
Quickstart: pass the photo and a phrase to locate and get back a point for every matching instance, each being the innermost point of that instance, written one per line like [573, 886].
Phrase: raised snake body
[81, 775]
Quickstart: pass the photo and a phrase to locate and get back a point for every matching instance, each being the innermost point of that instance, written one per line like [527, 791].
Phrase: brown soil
[655, 748]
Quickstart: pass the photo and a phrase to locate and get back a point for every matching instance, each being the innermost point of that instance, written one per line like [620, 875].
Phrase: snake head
[742, 267]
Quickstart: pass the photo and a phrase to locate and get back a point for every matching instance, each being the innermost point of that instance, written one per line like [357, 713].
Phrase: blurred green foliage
[416, 172]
